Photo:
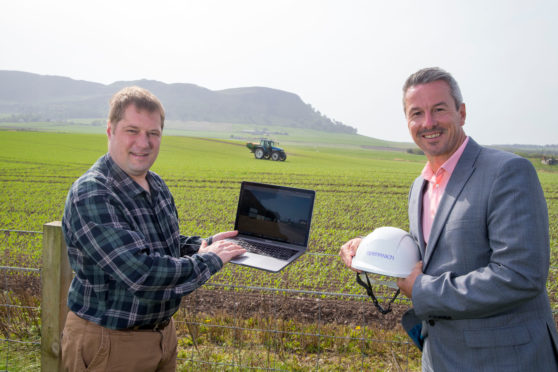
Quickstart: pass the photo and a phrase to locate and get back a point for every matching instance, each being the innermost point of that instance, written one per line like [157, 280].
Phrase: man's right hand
[225, 249]
[348, 251]
[406, 284]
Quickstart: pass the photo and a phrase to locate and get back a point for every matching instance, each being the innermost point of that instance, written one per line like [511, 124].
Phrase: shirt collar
[449, 164]
[123, 180]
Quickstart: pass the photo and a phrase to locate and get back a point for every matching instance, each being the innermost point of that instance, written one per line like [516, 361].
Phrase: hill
[32, 97]
[530, 150]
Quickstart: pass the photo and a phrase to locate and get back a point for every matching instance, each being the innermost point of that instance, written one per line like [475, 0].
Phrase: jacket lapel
[463, 170]
[415, 200]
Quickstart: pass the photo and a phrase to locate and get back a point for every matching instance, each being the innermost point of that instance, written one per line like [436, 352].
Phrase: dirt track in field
[298, 308]
[288, 307]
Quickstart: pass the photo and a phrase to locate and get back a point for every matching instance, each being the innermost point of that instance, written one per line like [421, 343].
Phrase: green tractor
[266, 150]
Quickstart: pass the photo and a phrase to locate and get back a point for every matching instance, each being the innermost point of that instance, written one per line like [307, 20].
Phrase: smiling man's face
[434, 122]
[135, 140]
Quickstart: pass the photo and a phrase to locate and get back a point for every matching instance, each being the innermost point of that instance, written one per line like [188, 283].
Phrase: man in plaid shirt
[132, 265]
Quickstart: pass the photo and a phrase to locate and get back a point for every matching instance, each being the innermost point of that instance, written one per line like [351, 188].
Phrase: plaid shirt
[132, 265]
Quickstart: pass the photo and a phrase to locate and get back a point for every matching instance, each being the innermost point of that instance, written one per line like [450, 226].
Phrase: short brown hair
[139, 97]
[429, 75]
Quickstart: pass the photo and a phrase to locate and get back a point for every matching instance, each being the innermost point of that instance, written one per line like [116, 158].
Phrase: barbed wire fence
[228, 326]
[19, 317]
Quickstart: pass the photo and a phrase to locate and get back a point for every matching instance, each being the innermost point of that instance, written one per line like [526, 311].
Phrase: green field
[244, 132]
[358, 189]
[204, 175]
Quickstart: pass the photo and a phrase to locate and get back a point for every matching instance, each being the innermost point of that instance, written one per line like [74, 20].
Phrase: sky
[347, 58]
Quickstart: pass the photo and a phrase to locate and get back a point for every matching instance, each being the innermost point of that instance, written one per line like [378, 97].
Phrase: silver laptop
[273, 224]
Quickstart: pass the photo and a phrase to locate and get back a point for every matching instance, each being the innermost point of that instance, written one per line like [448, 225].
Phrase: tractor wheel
[283, 156]
[259, 153]
[275, 156]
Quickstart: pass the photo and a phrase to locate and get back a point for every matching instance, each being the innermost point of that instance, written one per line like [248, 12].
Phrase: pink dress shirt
[437, 183]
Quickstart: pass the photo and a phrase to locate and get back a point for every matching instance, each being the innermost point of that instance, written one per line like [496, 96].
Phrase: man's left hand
[224, 235]
[216, 238]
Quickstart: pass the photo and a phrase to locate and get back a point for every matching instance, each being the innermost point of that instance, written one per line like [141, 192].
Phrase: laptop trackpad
[259, 261]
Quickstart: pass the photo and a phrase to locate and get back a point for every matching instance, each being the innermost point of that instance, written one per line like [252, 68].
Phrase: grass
[20, 356]
[358, 189]
[291, 346]
[243, 132]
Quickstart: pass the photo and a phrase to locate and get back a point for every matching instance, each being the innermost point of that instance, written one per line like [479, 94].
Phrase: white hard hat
[387, 251]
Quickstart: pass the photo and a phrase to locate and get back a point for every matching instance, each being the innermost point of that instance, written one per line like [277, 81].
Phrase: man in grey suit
[480, 219]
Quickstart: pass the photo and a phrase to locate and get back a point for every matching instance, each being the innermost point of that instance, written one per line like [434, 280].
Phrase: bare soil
[305, 309]
[253, 304]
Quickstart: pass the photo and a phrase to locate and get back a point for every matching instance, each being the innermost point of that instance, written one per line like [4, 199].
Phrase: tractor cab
[266, 150]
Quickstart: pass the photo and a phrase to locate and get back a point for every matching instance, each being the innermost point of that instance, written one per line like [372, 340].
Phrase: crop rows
[355, 194]
[356, 191]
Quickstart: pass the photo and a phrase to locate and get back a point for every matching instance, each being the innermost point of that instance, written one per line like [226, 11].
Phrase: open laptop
[273, 224]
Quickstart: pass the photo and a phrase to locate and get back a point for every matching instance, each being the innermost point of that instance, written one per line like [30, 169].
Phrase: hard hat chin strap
[368, 288]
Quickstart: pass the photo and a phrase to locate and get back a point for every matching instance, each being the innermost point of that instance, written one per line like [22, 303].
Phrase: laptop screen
[274, 212]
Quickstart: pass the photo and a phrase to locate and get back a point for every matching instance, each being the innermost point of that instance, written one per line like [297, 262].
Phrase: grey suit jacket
[482, 297]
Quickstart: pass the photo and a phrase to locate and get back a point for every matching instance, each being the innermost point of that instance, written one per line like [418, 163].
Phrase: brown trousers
[87, 346]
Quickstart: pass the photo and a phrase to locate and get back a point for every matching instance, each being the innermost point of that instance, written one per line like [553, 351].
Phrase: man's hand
[406, 284]
[225, 249]
[348, 251]
[224, 235]
[220, 236]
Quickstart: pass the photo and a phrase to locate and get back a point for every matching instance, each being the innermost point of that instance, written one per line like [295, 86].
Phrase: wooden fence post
[56, 276]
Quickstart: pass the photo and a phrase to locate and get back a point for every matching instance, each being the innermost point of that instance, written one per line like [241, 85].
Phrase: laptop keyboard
[265, 250]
